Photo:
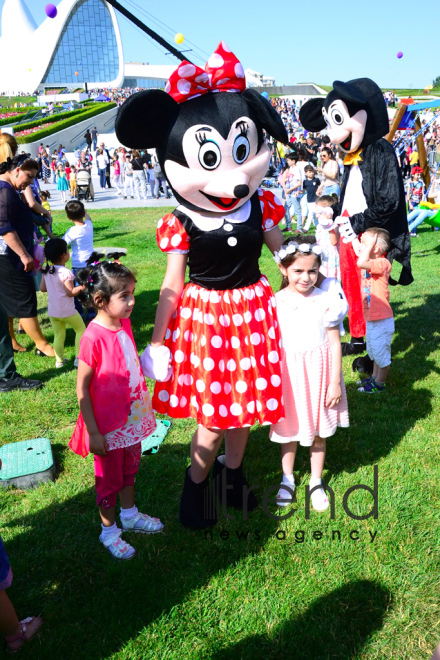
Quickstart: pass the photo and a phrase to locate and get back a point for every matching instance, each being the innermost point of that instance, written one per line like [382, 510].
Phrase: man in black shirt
[311, 150]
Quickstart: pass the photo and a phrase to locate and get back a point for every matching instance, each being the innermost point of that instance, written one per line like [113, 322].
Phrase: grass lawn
[8, 101]
[261, 588]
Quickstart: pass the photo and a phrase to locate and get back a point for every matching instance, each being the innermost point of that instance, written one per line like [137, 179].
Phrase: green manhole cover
[151, 444]
[28, 457]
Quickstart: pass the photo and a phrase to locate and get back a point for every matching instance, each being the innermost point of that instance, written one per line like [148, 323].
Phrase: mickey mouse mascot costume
[372, 193]
[219, 331]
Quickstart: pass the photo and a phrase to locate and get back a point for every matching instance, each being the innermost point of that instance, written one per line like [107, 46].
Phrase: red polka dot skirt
[225, 348]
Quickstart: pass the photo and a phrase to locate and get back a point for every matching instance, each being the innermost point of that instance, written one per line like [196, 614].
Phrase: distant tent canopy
[102, 97]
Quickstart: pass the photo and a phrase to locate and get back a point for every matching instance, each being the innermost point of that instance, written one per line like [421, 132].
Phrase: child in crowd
[62, 184]
[311, 184]
[80, 237]
[45, 196]
[53, 167]
[375, 242]
[313, 387]
[115, 407]
[68, 170]
[72, 181]
[128, 176]
[327, 236]
[58, 281]
[415, 190]
[16, 632]
[117, 173]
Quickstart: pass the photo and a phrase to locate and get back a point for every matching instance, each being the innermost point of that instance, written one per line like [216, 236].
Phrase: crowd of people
[115, 407]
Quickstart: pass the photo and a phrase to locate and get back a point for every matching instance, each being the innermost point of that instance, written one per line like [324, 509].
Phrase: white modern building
[82, 44]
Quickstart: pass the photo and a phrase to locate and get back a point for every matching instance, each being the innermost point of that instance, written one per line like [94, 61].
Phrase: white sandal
[118, 548]
[285, 497]
[142, 523]
[319, 499]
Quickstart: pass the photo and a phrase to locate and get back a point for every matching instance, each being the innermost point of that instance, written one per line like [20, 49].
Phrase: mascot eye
[241, 149]
[209, 155]
[337, 117]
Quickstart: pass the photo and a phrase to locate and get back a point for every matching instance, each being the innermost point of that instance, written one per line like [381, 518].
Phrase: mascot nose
[241, 191]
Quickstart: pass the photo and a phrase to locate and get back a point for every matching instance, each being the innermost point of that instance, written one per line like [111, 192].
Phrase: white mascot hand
[345, 229]
[339, 305]
[155, 363]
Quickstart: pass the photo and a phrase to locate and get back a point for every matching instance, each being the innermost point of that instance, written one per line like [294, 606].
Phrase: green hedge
[66, 123]
[59, 116]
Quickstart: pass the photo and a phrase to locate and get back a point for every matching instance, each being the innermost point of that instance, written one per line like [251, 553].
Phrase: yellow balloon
[30, 69]
[179, 38]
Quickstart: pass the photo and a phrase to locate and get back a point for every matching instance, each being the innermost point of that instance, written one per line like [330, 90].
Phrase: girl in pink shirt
[115, 407]
[58, 281]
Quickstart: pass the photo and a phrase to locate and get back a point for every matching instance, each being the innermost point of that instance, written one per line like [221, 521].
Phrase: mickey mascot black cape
[372, 193]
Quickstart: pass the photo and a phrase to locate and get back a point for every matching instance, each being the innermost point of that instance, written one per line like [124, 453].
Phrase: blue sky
[295, 41]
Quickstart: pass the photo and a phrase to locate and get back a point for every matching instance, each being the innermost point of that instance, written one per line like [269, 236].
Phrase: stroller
[83, 179]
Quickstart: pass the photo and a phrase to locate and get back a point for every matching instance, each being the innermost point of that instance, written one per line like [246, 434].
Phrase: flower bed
[29, 131]
[6, 115]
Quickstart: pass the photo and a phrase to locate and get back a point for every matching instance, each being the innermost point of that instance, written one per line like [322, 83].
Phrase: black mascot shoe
[232, 484]
[197, 505]
[353, 347]
[363, 364]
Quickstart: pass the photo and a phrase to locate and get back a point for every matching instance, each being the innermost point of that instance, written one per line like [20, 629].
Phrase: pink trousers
[117, 469]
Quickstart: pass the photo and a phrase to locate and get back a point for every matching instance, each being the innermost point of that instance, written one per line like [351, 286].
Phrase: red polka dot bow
[223, 73]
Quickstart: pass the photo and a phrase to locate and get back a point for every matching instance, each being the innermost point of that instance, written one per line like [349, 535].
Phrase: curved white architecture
[83, 37]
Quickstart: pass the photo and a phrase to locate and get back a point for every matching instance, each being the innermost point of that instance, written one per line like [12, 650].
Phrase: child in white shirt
[58, 282]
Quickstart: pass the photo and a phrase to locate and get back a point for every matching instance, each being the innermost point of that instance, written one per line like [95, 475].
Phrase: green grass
[8, 101]
[187, 596]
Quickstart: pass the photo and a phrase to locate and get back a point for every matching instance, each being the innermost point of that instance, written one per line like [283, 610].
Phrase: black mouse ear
[349, 93]
[144, 119]
[310, 115]
[269, 118]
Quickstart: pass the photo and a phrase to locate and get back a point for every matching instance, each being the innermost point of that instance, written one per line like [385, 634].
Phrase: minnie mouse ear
[310, 115]
[145, 118]
[269, 118]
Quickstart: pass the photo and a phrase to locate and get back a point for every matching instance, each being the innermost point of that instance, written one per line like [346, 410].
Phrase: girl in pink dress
[115, 407]
[314, 395]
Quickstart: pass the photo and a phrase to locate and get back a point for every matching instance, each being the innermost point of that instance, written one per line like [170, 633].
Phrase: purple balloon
[51, 10]
[399, 54]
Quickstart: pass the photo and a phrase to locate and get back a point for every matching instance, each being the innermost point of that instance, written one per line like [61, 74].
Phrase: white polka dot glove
[345, 229]
[155, 363]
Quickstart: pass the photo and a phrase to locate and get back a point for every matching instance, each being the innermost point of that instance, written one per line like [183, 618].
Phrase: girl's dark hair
[327, 198]
[102, 280]
[289, 259]
[53, 251]
[45, 194]
[23, 161]
[329, 153]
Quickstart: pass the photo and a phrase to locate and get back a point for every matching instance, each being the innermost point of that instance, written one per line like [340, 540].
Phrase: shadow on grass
[94, 605]
[337, 625]
[379, 422]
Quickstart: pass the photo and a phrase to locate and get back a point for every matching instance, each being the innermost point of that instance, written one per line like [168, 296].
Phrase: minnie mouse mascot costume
[372, 193]
[220, 329]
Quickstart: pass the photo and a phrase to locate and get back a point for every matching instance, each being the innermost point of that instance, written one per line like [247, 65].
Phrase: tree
[436, 82]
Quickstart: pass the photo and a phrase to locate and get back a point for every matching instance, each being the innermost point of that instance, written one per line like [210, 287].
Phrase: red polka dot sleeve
[171, 236]
[272, 209]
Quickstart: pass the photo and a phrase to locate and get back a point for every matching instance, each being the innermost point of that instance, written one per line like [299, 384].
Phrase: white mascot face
[222, 174]
[343, 130]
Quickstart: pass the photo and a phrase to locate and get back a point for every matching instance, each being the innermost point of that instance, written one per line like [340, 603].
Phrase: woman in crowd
[17, 288]
[45, 166]
[330, 173]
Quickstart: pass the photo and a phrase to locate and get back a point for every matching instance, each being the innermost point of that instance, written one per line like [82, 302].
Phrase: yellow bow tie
[354, 158]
